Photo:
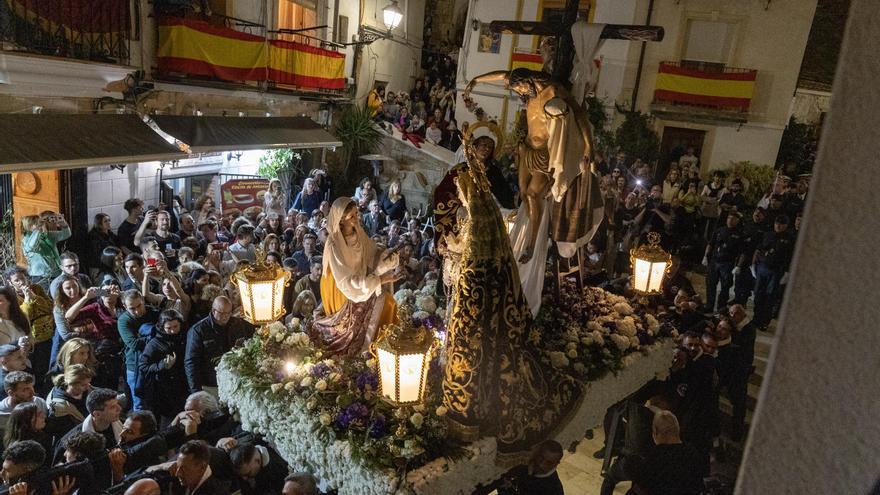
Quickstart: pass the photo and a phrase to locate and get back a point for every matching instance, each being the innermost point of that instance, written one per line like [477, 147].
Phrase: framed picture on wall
[489, 42]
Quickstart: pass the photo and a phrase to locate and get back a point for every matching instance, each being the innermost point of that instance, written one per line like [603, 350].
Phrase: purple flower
[378, 427]
[355, 415]
[366, 378]
[320, 370]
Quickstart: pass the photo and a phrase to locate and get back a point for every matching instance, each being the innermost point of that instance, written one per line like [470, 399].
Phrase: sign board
[240, 195]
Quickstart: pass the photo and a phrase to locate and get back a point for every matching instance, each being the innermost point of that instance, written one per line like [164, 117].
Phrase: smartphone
[101, 292]
[219, 246]
[152, 261]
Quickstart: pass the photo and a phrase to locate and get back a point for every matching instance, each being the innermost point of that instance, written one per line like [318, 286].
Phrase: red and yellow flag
[533, 61]
[197, 48]
[716, 89]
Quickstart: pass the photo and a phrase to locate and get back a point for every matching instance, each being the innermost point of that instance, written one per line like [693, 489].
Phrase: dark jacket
[206, 342]
[162, 390]
[672, 469]
[129, 332]
[143, 452]
[395, 211]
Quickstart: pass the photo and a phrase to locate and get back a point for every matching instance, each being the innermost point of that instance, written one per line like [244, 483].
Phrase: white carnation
[626, 327]
[620, 341]
[426, 303]
[558, 360]
[623, 308]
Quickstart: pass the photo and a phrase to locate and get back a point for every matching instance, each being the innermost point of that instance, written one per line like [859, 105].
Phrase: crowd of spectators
[137, 323]
[424, 114]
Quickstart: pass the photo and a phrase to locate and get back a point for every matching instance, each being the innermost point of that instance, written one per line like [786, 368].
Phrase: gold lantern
[650, 263]
[404, 354]
[261, 286]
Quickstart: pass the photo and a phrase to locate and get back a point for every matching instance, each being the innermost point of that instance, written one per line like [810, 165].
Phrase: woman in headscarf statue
[352, 285]
[495, 383]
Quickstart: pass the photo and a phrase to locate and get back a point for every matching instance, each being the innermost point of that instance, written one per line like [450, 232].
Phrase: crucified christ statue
[557, 146]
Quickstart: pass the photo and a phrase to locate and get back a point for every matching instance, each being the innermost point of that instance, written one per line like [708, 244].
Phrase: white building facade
[709, 37]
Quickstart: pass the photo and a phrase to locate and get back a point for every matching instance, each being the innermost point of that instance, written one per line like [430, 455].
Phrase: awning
[43, 141]
[213, 134]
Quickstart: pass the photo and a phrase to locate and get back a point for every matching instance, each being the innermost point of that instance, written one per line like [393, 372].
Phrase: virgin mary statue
[495, 383]
[355, 271]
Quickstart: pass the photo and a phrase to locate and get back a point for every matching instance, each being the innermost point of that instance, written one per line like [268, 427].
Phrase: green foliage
[276, 160]
[359, 136]
[757, 178]
[358, 133]
[603, 138]
[637, 138]
[797, 146]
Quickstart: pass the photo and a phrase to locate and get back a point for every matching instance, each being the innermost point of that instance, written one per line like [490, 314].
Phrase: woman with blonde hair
[67, 400]
[393, 202]
[75, 351]
[273, 201]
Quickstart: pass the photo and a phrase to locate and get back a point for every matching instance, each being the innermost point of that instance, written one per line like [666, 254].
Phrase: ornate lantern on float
[261, 287]
[404, 354]
[650, 263]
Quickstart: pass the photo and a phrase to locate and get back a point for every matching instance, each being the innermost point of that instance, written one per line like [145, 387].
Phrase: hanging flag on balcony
[194, 47]
[728, 89]
[197, 48]
[313, 67]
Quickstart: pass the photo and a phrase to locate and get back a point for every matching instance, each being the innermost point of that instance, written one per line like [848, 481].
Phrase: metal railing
[96, 30]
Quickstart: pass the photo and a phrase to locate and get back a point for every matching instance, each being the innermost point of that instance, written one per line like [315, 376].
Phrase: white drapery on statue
[587, 42]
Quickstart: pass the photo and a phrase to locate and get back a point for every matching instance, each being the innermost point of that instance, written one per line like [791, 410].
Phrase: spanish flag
[715, 89]
[194, 47]
[533, 61]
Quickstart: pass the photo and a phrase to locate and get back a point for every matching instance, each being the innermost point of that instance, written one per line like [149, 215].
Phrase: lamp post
[404, 354]
[261, 286]
[392, 15]
[650, 263]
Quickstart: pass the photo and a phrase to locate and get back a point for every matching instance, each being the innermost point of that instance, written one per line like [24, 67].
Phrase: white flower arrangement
[404, 296]
[426, 303]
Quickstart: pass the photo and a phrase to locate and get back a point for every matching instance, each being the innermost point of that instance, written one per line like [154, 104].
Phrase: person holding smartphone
[39, 243]
[93, 317]
[169, 242]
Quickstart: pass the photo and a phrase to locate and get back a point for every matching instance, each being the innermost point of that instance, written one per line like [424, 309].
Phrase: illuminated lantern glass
[392, 15]
[650, 264]
[404, 355]
[261, 286]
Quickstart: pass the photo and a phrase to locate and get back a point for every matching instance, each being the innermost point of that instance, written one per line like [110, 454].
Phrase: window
[295, 15]
[709, 43]
[342, 30]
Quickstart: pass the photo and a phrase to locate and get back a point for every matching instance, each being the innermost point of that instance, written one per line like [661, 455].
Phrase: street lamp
[404, 355]
[392, 15]
[261, 286]
[650, 263]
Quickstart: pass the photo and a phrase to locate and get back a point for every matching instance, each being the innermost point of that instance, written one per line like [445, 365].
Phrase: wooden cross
[562, 63]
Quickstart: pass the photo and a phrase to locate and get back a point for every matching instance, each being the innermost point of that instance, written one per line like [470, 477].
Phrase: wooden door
[33, 193]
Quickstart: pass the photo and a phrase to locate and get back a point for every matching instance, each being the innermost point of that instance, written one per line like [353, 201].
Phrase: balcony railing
[228, 55]
[96, 30]
[709, 86]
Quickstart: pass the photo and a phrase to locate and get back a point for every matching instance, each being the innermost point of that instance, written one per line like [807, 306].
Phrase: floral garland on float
[325, 413]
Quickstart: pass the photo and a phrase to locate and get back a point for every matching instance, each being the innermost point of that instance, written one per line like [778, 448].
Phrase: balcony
[94, 30]
[230, 52]
[703, 92]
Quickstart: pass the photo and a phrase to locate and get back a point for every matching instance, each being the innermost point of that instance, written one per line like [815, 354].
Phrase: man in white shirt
[19, 387]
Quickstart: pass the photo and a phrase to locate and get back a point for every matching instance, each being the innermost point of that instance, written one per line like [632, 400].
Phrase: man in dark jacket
[161, 382]
[136, 315]
[140, 446]
[208, 340]
[743, 339]
[671, 467]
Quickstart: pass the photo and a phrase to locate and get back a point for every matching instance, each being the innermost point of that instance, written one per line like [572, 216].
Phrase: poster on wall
[489, 42]
[243, 196]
